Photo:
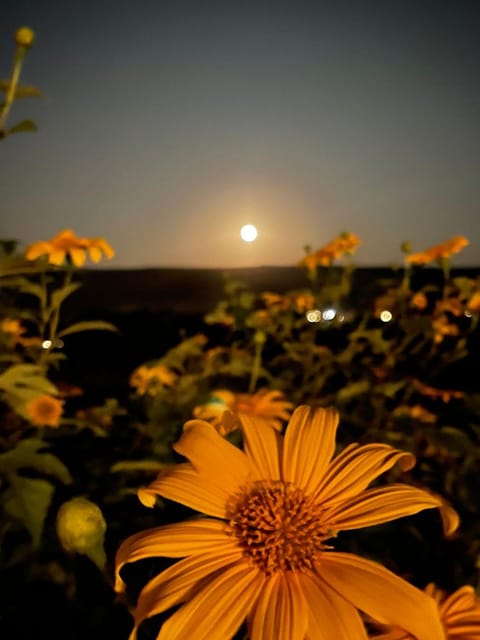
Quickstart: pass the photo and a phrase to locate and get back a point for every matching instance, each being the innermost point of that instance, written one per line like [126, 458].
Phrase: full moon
[248, 233]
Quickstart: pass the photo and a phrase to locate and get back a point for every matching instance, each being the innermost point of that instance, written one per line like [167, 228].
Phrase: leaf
[21, 91]
[23, 285]
[23, 126]
[31, 454]
[24, 381]
[352, 390]
[59, 295]
[27, 500]
[138, 465]
[87, 325]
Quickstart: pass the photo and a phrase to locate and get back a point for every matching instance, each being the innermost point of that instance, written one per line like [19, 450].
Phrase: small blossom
[45, 411]
[67, 245]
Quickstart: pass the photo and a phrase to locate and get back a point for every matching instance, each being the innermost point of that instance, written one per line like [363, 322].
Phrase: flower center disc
[278, 526]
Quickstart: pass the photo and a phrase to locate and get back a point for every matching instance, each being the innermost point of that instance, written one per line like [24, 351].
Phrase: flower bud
[24, 37]
[81, 529]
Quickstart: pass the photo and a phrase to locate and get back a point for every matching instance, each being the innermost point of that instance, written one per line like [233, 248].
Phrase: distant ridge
[187, 291]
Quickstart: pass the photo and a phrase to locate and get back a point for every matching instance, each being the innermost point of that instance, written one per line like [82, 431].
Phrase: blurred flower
[12, 326]
[44, 411]
[445, 395]
[420, 300]
[442, 327]
[24, 37]
[474, 303]
[438, 252]
[67, 244]
[345, 244]
[270, 406]
[459, 613]
[150, 380]
[262, 551]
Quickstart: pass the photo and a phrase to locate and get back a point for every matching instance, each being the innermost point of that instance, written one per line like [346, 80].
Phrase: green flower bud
[81, 529]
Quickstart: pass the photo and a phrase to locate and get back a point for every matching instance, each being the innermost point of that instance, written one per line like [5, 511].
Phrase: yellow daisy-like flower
[459, 613]
[44, 411]
[438, 252]
[149, 380]
[67, 244]
[270, 406]
[262, 551]
[344, 244]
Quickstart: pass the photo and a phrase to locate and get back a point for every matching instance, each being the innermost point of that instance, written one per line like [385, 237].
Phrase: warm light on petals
[263, 449]
[209, 615]
[366, 585]
[184, 485]
[44, 411]
[281, 610]
[172, 541]
[309, 446]
[213, 456]
[67, 245]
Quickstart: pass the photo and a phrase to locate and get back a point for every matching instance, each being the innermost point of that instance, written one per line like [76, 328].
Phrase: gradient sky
[166, 125]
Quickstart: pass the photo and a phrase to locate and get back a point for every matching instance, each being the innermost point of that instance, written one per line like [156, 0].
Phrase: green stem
[12, 85]
[257, 362]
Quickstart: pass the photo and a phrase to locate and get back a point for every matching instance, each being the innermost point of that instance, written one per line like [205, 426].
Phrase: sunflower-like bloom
[67, 244]
[271, 407]
[150, 380]
[344, 244]
[459, 613]
[438, 252]
[44, 411]
[262, 550]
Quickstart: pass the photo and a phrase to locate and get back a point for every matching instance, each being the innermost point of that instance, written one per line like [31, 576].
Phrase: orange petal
[330, 615]
[379, 505]
[463, 599]
[180, 582]
[217, 611]
[309, 446]
[57, 256]
[281, 610]
[172, 541]
[262, 444]
[78, 256]
[381, 594]
[356, 467]
[184, 485]
[213, 457]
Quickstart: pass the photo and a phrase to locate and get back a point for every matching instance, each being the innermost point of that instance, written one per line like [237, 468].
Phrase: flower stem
[12, 85]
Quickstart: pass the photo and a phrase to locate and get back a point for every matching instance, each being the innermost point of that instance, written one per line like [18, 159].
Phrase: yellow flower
[474, 303]
[459, 613]
[13, 327]
[24, 37]
[150, 380]
[438, 252]
[420, 300]
[270, 406]
[67, 244]
[346, 243]
[262, 550]
[45, 411]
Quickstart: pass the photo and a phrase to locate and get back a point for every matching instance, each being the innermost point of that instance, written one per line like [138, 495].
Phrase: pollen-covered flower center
[278, 526]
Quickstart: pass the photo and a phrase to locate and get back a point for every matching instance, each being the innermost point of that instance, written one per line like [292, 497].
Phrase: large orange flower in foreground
[263, 552]
[459, 613]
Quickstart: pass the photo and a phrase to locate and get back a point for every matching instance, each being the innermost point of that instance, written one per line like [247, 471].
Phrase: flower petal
[330, 615]
[184, 485]
[262, 444]
[309, 446]
[216, 459]
[381, 594]
[179, 582]
[172, 541]
[281, 610]
[379, 505]
[356, 467]
[217, 611]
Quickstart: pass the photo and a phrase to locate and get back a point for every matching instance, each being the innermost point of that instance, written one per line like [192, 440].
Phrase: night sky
[166, 125]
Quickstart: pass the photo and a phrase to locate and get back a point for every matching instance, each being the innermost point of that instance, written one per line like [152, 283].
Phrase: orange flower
[45, 411]
[263, 550]
[459, 613]
[438, 252]
[420, 300]
[270, 406]
[149, 380]
[346, 243]
[474, 303]
[67, 244]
